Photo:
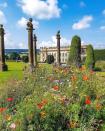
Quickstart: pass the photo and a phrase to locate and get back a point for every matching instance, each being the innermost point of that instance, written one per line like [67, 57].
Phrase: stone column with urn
[30, 42]
[58, 48]
[3, 66]
[35, 50]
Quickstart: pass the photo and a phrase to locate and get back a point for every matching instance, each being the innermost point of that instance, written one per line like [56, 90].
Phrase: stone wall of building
[63, 50]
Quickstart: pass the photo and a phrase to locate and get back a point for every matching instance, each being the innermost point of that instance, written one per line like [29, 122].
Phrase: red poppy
[82, 68]
[40, 105]
[10, 99]
[92, 72]
[44, 102]
[73, 78]
[85, 77]
[87, 101]
[2, 109]
[56, 88]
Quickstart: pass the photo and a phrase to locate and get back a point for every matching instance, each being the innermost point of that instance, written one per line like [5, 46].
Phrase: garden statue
[35, 50]
[30, 43]
[58, 48]
[3, 66]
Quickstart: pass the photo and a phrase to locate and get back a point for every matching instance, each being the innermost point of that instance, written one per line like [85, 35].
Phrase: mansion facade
[64, 52]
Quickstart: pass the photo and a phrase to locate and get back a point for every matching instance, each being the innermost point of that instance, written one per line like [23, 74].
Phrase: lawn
[14, 71]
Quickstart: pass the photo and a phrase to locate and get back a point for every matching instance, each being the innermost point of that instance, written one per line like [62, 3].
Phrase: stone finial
[35, 37]
[29, 24]
[1, 26]
[1, 29]
[58, 34]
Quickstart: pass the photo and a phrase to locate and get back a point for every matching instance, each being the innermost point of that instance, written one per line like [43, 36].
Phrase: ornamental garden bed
[54, 99]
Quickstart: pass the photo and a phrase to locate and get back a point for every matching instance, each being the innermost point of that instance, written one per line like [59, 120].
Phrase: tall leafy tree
[90, 59]
[75, 51]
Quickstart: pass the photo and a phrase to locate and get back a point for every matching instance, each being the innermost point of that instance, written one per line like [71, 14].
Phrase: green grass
[14, 71]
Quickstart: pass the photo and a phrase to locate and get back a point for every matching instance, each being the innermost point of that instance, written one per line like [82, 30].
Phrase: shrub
[97, 69]
[25, 58]
[90, 60]
[14, 56]
[6, 57]
[100, 64]
[99, 54]
[50, 59]
[75, 51]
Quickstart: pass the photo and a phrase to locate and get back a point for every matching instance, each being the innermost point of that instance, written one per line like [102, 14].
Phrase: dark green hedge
[99, 54]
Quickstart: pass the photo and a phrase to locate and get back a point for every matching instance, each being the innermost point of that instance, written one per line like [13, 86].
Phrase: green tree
[25, 58]
[75, 51]
[99, 54]
[50, 59]
[90, 59]
[14, 56]
[6, 57]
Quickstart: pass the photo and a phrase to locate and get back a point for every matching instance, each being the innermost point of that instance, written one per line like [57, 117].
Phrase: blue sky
[85, 18]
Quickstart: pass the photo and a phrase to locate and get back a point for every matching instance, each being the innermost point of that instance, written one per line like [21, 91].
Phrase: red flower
[88, 102]
[2, 109]
[85, 77]
[40, 105]
[91, 72]
[73, 78]
[82, 68]
[56, 88]
[10, 99]
[44, 102]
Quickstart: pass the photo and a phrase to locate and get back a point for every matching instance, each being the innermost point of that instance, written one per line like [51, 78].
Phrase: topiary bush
[75, 51]
[90, 59]
[25, 58]
[50, 59]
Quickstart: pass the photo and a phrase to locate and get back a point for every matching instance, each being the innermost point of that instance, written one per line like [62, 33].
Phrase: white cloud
[2, 18]
[82, 4]
[83, 23]
[23, 22]
[3, 5]
[22, 45]
[40, 9]
[8, 40]
[100, 45]
[11, 44]
[53, 42]
[103, 12]
[102, 28]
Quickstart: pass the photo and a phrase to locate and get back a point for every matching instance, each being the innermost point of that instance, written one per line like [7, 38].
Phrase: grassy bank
[14, 71]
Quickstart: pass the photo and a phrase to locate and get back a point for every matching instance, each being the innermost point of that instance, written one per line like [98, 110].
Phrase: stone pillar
[30, 42]
[3, 66]
[35, 50]
[46, 53]
[58, 48]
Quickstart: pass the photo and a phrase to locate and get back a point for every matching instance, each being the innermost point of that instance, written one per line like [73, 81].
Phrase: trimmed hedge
[99, 54]
[75, 51]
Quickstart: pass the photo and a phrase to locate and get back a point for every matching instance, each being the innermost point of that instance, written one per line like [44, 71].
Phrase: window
[63, 60]
[66, 54]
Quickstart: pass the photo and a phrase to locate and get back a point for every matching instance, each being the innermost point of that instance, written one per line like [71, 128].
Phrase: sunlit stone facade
[64, 51]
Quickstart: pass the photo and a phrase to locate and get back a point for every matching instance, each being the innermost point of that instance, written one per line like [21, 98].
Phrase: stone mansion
[64, 51]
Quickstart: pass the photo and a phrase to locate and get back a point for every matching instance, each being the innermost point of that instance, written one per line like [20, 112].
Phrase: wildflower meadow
[54, 99]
